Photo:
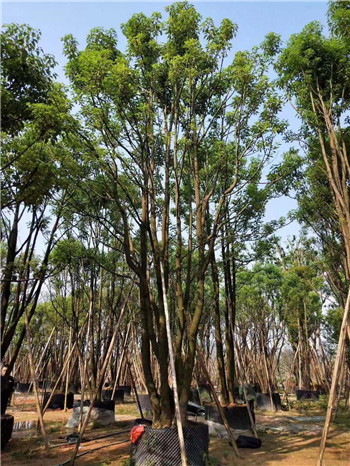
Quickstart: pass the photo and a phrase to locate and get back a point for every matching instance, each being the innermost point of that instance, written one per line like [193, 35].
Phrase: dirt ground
[289, 437]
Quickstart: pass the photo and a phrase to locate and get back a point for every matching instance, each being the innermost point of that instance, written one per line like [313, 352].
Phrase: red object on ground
[136, 433]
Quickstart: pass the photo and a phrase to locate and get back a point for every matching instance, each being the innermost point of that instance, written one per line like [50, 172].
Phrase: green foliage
[27, 75]
[314, 71]
[333, 321]
[313, 65]
[302, 290]
[33, 160]
[182, 27]
[169, 145]
[259, 292]
[339, 19]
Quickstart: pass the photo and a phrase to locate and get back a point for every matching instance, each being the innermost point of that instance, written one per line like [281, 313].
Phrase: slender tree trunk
[335, 379]
[218, 338]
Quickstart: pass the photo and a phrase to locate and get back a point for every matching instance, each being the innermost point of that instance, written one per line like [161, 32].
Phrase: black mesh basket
[160, 447]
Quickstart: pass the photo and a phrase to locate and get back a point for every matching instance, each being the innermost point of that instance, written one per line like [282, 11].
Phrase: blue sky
[254, 19]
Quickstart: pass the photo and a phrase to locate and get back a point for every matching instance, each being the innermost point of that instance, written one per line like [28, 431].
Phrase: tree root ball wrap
[161, 447]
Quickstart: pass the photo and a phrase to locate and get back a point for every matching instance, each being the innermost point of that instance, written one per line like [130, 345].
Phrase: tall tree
[34, 187]
[171, 126]
[314, 71]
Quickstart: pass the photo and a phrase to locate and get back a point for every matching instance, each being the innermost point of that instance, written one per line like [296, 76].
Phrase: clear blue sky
[254, 19]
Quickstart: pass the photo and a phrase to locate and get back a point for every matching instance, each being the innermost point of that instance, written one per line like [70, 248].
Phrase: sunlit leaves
[27, 74]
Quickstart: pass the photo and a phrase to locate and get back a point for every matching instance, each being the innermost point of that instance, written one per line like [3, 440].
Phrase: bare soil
[289, 437]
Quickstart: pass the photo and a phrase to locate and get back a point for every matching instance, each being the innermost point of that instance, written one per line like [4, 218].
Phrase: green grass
[342, 418]
[127, 408]
[310, 407]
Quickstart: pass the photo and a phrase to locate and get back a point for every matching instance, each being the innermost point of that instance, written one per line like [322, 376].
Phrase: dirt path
[289, 450]
[290, 438]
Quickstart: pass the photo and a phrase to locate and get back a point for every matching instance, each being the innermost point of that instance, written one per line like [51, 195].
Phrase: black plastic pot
[193, 408]
[194, 396]
[5, 396]
[248, 442]
[109, 404]
[106, 404]
[6, 429]
[311, 395]
[237, 416]
[263, 401]
[126, 389]
[160, 447]
[145, 403]
[57, 401]
[22, 387]
[118, 395]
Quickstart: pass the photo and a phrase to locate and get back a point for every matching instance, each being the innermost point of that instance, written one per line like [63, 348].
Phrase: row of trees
[279, 312]
[158, 169]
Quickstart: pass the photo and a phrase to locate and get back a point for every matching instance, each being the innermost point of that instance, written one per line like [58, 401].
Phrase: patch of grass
[318, 407]
[55, 429]
[127, 408]
[342, 418]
